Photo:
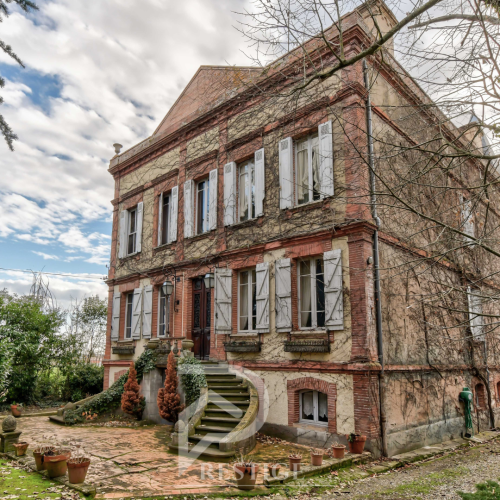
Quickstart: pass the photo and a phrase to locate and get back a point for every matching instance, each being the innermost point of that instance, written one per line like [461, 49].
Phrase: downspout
[376, 267]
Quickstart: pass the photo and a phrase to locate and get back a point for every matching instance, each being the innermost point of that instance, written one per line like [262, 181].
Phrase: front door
[201, 319]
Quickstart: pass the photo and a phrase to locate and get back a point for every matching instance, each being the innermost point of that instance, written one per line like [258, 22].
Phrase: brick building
[268, 200]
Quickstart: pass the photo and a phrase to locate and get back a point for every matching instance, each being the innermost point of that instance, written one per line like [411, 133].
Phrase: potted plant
[56, 462]
[78, 465]
[246, 473]
[338, 450]
[356, 442]
[273, 469]
[294, 462]
[316, 457]
[39, 451]
[21, 448]
[15, 409]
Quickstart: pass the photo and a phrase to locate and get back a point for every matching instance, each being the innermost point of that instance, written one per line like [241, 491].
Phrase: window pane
[163, 315]
[254, 299]
[244, 301]
[305, 294]
[200, 208]
[208, 309]
[252, 189]
[315, 168]
[243, 192]
[207, 206]
[307, 406]
[164, 219]
[197, 310]
[320, 294]
[302, 177]
[132, 221]
[128, 325]
[322, 407]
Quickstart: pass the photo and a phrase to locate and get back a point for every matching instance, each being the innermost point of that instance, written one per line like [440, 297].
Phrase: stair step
[230, 391]
[218, 396]
[200, 429]
[225, 412]
[207, 439]
[228, 386]
[58, 419]
[227, 404]
[213, 453]
[209, 372]
[221, 421]
[223, 381]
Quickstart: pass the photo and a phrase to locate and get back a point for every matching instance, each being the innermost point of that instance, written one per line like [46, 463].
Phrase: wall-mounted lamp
[209, 280]
[167, 288]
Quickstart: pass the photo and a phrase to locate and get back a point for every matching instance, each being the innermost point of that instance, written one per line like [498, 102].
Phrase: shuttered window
[247, 301]
[164, 223]
[128, 315]
[132, 231]
[246, 190]
[311, 294]
[202, 206]
[475, 314]
[307, 170]
[163, 313]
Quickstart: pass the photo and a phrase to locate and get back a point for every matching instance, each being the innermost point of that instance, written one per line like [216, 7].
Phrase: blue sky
[96, 73]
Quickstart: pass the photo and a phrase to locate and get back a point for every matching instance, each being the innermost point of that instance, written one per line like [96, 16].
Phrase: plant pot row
[59, 465]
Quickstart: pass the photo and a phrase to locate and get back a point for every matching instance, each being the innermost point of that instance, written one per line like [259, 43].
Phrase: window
[163, 314]
[475, 314]
[165, 219]
[480, 396]
[313, 407]
[307, 170]
[311, 294]
[247, 298]
[467, 217]
[246, 190]
[128, 315]
[132, 231]
[202, 207]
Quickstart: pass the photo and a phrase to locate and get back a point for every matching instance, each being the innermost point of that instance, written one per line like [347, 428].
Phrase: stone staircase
[227, 404]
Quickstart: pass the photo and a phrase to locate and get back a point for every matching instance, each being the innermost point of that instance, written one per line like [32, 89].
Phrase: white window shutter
[122, 251]
[140, 210]
[326, 159]
[136, 313]
[286, 172]
[213, 194]
[230, 176]
[188, 208]
[147, 311]
[160, 218]
[260, 182]
[223, 295]
[334, 294]
[262, 296]
[283, 277]
[174, 209]
[475, 315]
[115, 317]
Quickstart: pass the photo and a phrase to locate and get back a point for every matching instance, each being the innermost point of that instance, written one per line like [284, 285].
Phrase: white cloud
[46, 256]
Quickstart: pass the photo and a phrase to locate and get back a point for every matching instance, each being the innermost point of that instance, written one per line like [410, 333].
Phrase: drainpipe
[376, 268]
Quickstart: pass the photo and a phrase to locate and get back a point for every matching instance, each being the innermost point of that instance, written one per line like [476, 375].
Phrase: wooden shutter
[139, 213]
[262, 294]
[223, 293]
[260, 182]
[147, 311]
[213, 195]
[160, 219]
[475, 314]
[286, 172]
[326, 159]
[122, 236]
[334, 296]
[115, 317]
[136, 313]
[283, 295]
[230, 176]
[188, 209]
[174, 209]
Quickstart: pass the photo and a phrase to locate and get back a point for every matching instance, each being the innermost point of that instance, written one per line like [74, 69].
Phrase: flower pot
[187, 344]
[77, 472]
[317, 459]
[246, 476]
[274, 470]
[21, 448]
[294, 463]
[39, 461]
[16, 412]
[55, 466]
[338, 451]
[357, 445]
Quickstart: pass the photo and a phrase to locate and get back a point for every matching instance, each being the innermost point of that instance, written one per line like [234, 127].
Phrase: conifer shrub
[132, 401]
[169, 401]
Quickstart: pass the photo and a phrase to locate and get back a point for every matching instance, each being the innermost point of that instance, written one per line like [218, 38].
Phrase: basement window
[313, 407]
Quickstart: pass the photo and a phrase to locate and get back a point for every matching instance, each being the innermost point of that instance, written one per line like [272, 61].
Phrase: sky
[97, 72]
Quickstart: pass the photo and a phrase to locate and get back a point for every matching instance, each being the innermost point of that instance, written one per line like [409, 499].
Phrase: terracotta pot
[39, 461]
[77, 472]
[274, 470]
[358, 445]
[21, 448]
[246, 476]
[338, 451]
[15, 411]
[316, 459]
[294, 463]
[55, 466]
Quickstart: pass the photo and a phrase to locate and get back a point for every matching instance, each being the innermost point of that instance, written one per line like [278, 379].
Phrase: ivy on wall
[192, 378]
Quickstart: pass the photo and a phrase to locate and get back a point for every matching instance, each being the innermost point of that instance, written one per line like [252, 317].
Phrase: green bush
[110, 399]
[50, 386]
[83, 381]
[192, 378]
[485, 491]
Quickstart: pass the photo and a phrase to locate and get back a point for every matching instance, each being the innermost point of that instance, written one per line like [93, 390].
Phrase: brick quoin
[295, 386]
[366, 415]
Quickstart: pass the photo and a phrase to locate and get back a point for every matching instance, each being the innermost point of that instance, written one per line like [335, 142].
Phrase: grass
[17, 483]
[485, 491]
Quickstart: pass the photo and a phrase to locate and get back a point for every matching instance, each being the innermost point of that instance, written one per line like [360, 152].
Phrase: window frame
[131, 211]
[309, 139]
[314, 298]
[251, 192]
[129, 312]
[206, 219]
[315, 420]
[161, 317]
[251, 284]
[165, 196]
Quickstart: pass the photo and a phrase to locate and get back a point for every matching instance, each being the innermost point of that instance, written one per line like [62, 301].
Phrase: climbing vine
[192, 378]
